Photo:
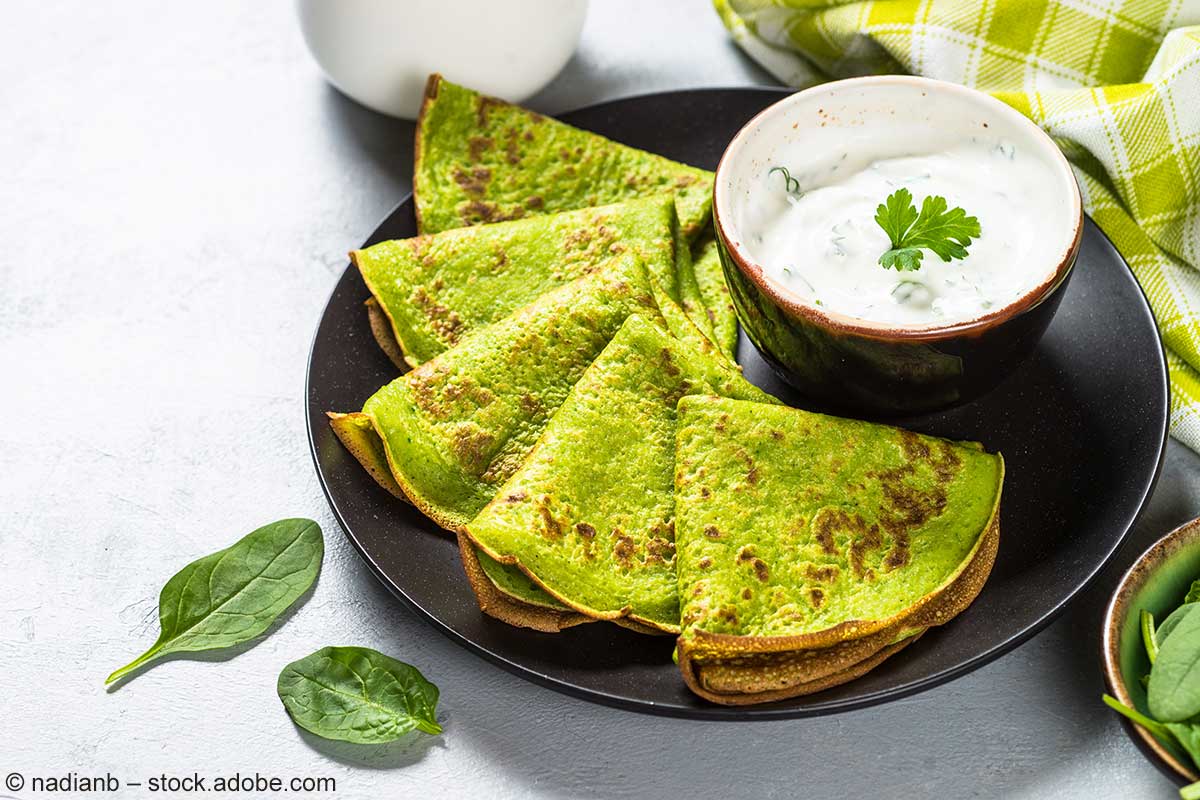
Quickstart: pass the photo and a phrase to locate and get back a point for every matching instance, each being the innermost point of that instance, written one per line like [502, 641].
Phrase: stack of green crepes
[574, 414]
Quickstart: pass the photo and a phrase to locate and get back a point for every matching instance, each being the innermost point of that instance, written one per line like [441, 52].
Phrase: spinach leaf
[1149, 638]
[1163, 631]
[235, 594]
[1174, 691]
[1188, 736]
[358, 695]
[1157, 728]
[1193, 594]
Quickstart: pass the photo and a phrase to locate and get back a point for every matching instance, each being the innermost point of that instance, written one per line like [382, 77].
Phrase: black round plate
[1082, 426]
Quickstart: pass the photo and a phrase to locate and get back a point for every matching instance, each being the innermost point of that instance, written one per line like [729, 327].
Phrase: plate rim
[772, 711]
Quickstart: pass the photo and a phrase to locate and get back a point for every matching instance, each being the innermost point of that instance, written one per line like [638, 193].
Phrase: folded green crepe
[456, 427]
[714, 292]
[434, 289]
[809, 546]
[479, 159]
[503, 591]
[590, 513]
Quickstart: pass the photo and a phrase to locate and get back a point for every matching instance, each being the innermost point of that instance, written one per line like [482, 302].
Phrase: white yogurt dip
[816, 235]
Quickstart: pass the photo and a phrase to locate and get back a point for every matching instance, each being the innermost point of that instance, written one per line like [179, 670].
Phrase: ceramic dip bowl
[795, 202]
[1157, 582]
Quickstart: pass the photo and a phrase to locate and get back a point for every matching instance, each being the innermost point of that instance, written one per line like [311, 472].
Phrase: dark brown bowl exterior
[880, 371]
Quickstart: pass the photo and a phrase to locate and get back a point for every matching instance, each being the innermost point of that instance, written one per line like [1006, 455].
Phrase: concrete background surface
[179, 188]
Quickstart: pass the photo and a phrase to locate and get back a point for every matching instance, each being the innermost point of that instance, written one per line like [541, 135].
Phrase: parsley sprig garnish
[947, 233]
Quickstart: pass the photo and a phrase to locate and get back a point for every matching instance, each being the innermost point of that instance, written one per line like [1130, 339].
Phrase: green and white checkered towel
[1115, 82]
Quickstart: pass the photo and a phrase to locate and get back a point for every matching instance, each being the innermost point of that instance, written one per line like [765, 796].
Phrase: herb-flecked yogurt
[816, 234]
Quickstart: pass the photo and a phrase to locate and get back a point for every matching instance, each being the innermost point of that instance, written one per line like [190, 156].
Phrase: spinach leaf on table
[232, 596]
[1174, 690]
[358, 695]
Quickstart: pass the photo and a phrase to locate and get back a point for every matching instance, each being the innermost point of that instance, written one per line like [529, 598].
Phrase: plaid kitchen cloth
[1115, 82]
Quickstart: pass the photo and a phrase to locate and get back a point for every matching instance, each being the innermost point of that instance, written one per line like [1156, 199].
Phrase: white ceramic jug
[380, 52]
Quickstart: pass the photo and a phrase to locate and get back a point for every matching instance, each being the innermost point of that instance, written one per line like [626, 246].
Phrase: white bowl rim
[1032, 297]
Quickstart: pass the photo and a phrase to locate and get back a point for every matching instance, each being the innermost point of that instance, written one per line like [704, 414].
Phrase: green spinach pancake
[428, 292]
[810, 547]
[590, 514]
[478, 159]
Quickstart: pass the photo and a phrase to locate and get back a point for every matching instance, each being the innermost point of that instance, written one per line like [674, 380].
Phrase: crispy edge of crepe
[779, 671]
[811, 687]
[384, 331]
[357, 434]
[495, 603]
[936, 608]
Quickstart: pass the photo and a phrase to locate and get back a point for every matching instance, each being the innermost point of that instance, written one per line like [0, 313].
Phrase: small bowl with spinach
[1151, 654]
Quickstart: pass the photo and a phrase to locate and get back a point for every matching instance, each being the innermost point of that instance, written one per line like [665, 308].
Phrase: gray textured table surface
[179, 189]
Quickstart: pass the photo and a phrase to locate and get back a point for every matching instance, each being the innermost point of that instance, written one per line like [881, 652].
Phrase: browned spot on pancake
[564, 153]
[482, 211]
[577, 239]
[684, 181]
[745, 553]
[899, 554]
[728, 614]
[668, 363]
[704, 563]
[910, 508]
[826, 573]
[747, 594]
[465, 386]
[527, 136]
[913, 447]
[535, 202]
[949, 463]
[585, 530]
[862, 544]
[760, 570]
[752, 476]
[660, 550]
[829, 521]
[484, 105]
[475, 182]
[816, 597]
[478, 145]
[512, 151]
[623, 547]
[444, 321]
[721, 421]
[704, 492]
[551, 527]
[516, 497]
[711, 532]
[777, 435]
[438, 284]
[472, 446]
[531, 405]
